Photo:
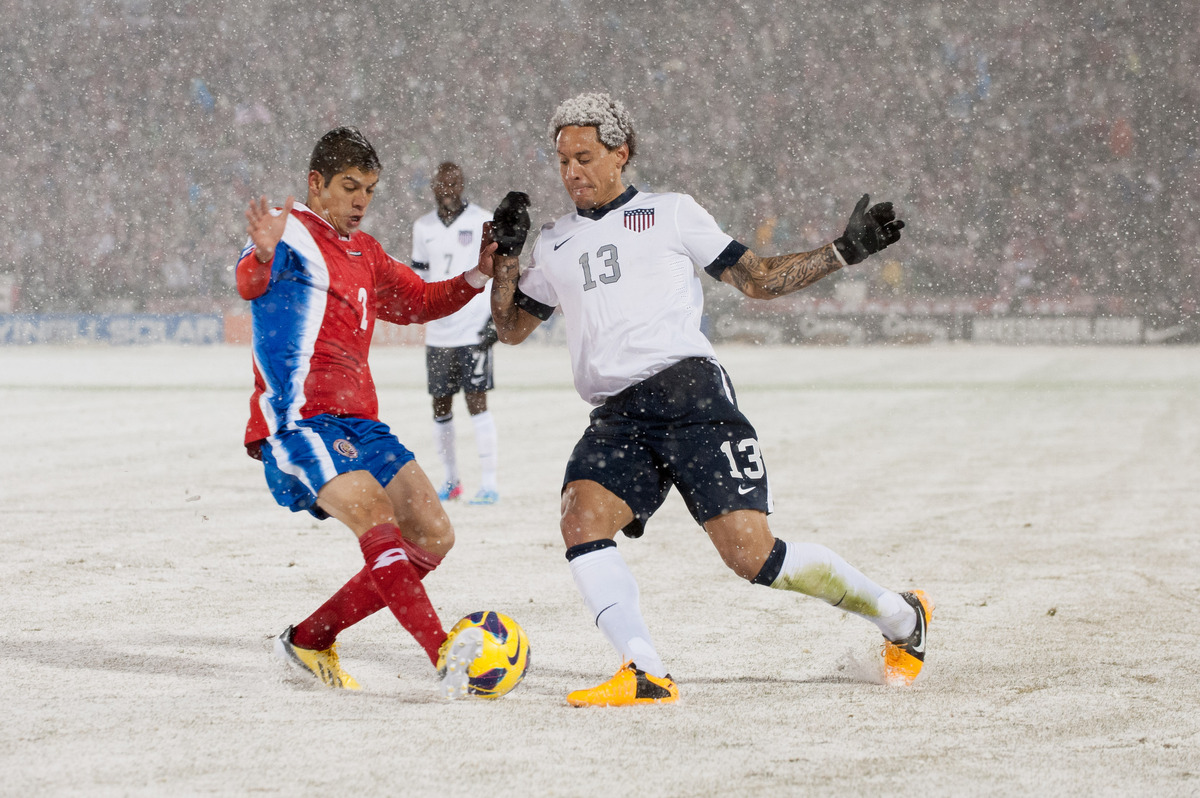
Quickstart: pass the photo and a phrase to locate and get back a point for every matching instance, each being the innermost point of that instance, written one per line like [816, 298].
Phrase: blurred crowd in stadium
[1033, 151]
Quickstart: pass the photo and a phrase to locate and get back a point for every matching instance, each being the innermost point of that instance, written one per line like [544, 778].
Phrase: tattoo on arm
[504, 290]
[767, 278]
[513, 325]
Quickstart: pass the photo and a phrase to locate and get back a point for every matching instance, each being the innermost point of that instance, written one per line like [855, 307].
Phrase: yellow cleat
[630, 686]
[322, 664]
[902, 659]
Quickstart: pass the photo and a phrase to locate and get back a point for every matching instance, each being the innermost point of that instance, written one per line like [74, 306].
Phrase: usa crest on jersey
[639, 219]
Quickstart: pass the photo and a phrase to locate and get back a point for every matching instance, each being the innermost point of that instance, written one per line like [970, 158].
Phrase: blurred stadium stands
[1042, 157]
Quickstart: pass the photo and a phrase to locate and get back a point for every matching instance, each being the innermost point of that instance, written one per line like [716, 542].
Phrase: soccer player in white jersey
[620, 268]
[458, 348]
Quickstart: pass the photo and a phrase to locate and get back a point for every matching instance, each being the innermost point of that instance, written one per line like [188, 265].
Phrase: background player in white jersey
[458, 348]
[621, 270]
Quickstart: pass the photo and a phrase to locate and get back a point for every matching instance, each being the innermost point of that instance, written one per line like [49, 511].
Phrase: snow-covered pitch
[1046, 498]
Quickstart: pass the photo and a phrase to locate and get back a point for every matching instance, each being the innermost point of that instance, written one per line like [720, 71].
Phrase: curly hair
[601, 111]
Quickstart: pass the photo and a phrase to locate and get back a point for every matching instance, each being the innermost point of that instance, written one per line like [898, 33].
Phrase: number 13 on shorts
[751, 460]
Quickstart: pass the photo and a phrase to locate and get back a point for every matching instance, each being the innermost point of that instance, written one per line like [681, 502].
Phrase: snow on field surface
[1047, 499]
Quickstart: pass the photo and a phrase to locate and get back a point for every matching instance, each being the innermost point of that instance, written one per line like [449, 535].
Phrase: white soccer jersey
[624, 278]
[440, 252]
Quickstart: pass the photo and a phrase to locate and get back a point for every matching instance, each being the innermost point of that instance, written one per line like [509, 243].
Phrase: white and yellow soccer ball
[505, 657]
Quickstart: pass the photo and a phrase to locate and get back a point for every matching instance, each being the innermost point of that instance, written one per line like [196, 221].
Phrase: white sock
[443, 442]
[815, 570]
[611, 594]
[485, 439]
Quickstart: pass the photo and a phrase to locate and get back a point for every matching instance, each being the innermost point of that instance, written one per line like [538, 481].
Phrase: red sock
[424, 561]
[356, 600]
[399, 584]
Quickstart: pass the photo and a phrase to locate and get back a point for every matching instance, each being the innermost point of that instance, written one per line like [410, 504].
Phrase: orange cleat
[902, 659]
[630, 686]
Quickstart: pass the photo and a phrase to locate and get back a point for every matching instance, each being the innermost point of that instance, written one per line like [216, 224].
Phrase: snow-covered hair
[598, 110]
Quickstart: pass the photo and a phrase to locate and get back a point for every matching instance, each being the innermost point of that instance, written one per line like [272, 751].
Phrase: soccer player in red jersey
[316, 286]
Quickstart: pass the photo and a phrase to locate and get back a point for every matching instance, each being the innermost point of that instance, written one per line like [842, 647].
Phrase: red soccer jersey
[313, 324]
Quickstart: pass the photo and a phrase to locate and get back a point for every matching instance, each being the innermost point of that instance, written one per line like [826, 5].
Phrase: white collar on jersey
[300, 206]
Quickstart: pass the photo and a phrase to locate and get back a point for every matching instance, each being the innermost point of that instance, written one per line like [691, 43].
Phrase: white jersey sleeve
[420, 251]
[702, 239]
[535, 291]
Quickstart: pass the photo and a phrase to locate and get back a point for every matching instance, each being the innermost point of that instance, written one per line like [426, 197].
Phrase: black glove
[488, 334]
[510, 223]
[869, 230]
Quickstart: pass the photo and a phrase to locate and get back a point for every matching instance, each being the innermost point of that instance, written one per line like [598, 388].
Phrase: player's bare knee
[432, 534]
[743, 562]
[577, 523]
[430, 529]
[744, 541]
[440, 544]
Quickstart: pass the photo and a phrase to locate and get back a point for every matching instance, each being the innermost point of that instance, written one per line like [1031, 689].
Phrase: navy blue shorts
[450, 369]
[681, 427]
[304, 455]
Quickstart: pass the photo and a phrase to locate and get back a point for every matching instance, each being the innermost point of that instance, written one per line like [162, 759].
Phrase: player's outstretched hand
[266, 228]
[487, 248]
[510, 223]
[869, 230]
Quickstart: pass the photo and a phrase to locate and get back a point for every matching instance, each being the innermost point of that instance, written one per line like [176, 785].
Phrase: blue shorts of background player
[300, 458]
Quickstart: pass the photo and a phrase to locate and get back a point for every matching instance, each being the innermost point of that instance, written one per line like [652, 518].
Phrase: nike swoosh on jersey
[744, 489]
[348, 252]
[560, 243]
